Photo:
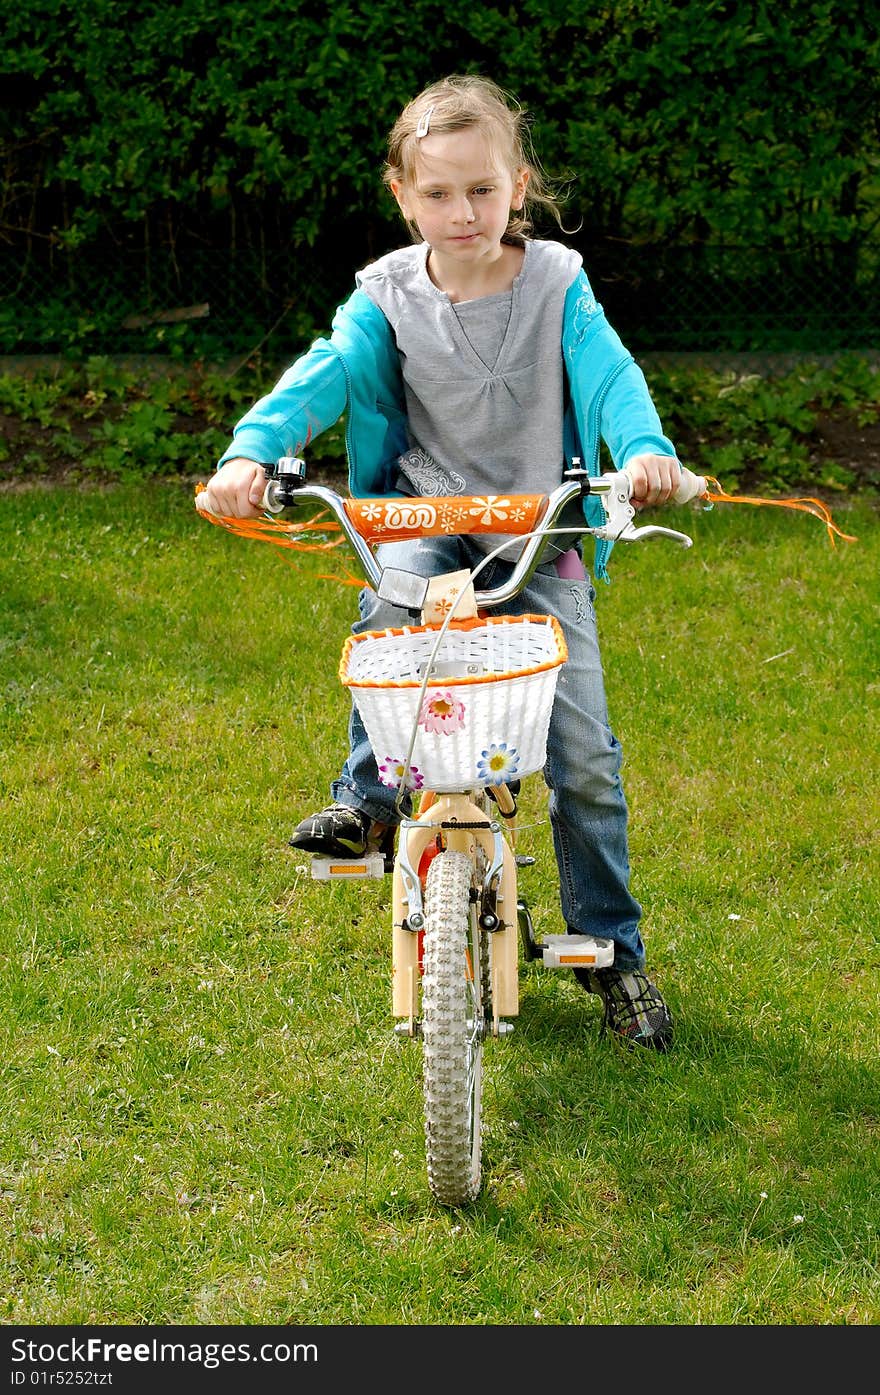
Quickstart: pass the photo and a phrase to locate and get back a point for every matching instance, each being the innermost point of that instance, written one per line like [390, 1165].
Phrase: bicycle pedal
[348, 869]
[523, 860]
[576, 952]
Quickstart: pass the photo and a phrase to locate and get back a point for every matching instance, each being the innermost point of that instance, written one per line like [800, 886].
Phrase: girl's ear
[520, 181]
[397, 191]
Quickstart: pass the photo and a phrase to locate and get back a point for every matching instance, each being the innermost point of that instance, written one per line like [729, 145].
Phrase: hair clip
[424, 123]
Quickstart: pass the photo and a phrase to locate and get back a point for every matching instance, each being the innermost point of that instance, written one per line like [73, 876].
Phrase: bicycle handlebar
[530, 516]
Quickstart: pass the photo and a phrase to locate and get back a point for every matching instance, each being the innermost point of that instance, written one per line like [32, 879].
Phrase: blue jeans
[588, 812]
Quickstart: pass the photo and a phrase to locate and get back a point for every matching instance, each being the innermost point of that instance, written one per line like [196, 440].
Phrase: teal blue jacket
[356, 371]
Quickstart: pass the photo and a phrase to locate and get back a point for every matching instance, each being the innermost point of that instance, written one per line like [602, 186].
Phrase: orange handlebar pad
[393, 520]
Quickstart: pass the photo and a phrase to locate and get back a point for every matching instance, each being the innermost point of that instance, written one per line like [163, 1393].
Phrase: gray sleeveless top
[483, 379]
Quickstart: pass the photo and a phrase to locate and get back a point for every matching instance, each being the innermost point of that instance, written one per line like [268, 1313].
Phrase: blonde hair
[458, 103]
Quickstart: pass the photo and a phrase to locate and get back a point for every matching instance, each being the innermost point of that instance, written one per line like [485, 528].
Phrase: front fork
[460, 824]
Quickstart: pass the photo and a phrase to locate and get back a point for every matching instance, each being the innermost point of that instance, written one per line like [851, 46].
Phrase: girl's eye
[484, 189]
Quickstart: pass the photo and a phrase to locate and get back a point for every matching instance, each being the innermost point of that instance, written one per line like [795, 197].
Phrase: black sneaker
[341, 831]
[634, 1009]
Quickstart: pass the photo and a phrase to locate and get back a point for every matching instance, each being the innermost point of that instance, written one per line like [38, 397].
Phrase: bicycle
[458, 920]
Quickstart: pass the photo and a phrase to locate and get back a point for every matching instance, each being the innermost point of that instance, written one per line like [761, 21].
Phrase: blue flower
[499, 763]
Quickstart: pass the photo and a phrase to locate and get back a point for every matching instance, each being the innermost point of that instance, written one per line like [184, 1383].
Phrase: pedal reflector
[327, 869]
[576, 952]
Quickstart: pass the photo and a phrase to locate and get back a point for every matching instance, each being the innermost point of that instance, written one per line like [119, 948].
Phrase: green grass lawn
[206, 1117]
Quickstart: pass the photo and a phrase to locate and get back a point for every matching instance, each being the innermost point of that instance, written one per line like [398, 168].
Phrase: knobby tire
[453, 1011]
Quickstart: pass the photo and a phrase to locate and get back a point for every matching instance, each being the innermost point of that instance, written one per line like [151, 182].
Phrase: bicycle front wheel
[453, 1017]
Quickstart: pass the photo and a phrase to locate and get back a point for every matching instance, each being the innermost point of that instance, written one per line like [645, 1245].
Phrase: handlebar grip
[270, 502]
[691, 487]
[201, 502]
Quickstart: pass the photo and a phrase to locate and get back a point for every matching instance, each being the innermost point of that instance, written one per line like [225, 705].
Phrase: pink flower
[391, 772]
[441, 712]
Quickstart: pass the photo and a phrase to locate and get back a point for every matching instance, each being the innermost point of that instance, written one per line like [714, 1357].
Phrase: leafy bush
[111, 420]
[747, 426]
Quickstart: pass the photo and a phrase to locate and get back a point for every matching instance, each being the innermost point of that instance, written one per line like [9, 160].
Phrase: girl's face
[459, 198]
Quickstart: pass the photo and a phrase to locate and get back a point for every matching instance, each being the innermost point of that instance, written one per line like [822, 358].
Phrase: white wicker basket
[484, 715]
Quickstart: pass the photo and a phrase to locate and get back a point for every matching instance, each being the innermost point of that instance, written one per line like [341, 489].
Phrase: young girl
[475, 361]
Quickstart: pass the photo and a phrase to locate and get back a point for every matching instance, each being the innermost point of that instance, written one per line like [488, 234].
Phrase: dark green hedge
[226, 124]
[168, 154]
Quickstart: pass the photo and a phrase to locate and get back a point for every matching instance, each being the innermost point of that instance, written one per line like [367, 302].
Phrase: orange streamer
[281, 534]
[804, 504]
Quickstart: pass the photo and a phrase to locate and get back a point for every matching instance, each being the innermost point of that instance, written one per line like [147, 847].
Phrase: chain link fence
[225, 304]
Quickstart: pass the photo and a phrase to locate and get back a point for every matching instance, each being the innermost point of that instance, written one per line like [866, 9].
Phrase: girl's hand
[236, 491]
[655, 478]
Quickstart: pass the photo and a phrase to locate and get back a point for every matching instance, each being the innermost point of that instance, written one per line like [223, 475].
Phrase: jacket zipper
[603, 546]
[597, 410]
[349, 439]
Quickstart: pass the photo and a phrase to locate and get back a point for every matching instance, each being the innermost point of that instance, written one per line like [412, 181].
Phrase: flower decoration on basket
[442, 713]
[392, 771]
[498, 764]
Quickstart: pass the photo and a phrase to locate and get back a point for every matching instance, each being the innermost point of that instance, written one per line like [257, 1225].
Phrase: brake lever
[631, 534]
[619, 515]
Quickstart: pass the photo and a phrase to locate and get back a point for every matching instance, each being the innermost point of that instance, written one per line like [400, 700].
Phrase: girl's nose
[464, 212]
